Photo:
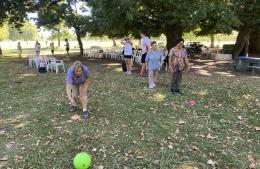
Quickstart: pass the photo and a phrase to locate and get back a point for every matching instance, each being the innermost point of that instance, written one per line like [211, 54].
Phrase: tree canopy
[4, 33]
[63, 34]
[118, 18]
[70, 12]
[15, 11]
[27, 32]
[248, 13]
[171, 17]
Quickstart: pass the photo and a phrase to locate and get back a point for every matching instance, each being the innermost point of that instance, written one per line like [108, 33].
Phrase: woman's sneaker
[72, 108]
[85, 114]
[177, 92]
[151, 86]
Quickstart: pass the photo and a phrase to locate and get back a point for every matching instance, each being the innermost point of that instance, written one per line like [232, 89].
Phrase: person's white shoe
[154, 85]
[151, 86]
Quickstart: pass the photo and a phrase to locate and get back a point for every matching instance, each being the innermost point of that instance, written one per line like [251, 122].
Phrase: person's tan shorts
[75, 91]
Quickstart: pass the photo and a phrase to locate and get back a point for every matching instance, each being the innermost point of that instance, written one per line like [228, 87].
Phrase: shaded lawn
[129, 125]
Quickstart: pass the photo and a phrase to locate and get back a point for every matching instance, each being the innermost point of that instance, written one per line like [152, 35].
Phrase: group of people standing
[78, 75]
[152, 61]
[37, 48]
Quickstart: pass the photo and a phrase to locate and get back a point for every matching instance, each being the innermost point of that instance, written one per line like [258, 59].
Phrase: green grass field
[130, 126]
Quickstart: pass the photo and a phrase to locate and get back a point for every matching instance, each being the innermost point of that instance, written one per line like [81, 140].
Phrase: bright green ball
[82, 161]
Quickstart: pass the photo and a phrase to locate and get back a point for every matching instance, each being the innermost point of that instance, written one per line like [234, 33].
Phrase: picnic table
[247, 62]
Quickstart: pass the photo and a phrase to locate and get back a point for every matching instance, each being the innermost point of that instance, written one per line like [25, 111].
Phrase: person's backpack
[124, 66]
[42, 70]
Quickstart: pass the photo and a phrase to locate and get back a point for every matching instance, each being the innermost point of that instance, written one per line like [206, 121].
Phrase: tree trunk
[212, 39]
[247, 46]
[190, 36]
[242, 39]
[171, 33]
[79, 41]
[58, 38]
[114, 41]
[254, 43]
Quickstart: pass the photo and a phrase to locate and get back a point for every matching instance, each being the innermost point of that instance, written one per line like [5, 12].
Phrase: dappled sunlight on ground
[17, 121]
[187, 166]
[201, 93]
[22, 124]
[228, 74]
[27, 75]
[119, 69]
[219, 68]
[114, 66]
[245, 100]
[111, 64]
[204, 73]
[159, 97]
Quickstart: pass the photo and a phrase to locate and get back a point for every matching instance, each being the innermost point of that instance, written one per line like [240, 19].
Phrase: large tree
[52, 13]
[27, 32]
[219, 18]
[4, 33]
[15, 11]
[248, 12]
[63, 34]
[170, 17]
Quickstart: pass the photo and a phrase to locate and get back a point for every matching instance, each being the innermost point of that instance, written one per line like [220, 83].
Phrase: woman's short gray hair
[77, 64]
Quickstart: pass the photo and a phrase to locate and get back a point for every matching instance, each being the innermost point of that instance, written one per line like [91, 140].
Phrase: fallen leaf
[170, 146]
[100, 167]
[9, 145]
[257, 128]
[211, 162]
[4, 158]
[94, 150]
[18, 158]
[140, 157]
[37, 143]
[195, 148]
[156, 162]
[2, 132]
[3, 164]
[75, 117]
[252, 161]
[209, 136]
[181, 122]
[187, 166]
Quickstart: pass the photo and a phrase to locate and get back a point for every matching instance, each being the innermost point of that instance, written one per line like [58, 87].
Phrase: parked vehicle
[194, 47]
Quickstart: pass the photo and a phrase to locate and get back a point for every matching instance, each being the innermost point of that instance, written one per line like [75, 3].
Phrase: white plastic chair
[42, 62]
[30, 57]
[32, 60]
[37, 61]
[55, 64]
[137, 57]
